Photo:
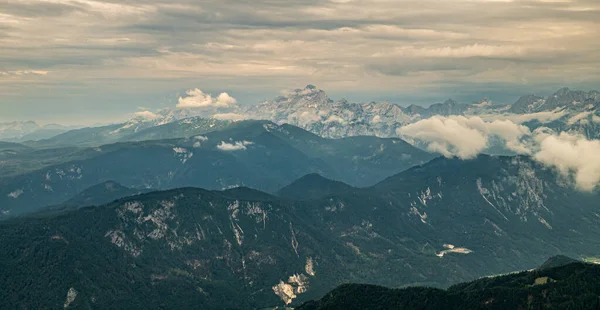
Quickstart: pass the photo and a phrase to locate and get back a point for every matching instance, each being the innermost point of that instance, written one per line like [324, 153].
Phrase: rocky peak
[527, 104]
[570, 99]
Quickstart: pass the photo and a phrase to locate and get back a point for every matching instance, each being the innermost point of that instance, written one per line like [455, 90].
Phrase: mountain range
[276, 204]
[29, 130]
[436, 224]
[311, 109]
[258, 154]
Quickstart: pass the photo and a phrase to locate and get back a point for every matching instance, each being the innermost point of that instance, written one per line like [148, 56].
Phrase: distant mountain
[188, 127]
[564, 111]
[311, 109]
[26, 131]
[137, 129]
[257, 154]
[313, 186]
[557, 261]
[99, 194]
[438, 224]
[527, 104]
[16, 130]
[572, 286]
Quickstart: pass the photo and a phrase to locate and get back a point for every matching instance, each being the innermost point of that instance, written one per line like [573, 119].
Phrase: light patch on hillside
[296, 284]
[71, 296]
[15, 194]
[450, 248]
[235, 146]
[310, 267]
[183, 154]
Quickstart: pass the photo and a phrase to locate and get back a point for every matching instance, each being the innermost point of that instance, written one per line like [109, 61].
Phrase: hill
[313, 186]
[435, 225]
[256, 154]
[572, 286]
[99, 194]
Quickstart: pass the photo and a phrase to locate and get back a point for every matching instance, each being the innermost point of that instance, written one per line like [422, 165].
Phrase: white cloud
[572, 155]
[199, 140]
[23, 72]
[235, 146]
[198, 99]
[230, 116]
[579, 117]
[147, 115]
[542, 117]
[465, 137]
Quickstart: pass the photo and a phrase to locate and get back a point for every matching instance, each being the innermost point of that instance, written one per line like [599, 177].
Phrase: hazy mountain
[557, 261]
[438, 224]
[257, 154]
[571, 111]
[570, 286]
[311, 109]
[7, 147]
[187, 127]
[26, 131]
[16, 130]
[99, 194]
[527, 104]
[313, 186]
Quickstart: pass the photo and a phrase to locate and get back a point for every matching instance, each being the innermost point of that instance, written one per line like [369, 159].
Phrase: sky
[86, 61]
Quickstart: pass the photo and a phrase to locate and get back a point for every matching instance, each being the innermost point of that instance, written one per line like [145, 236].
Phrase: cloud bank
[574, 156]
[465, 137]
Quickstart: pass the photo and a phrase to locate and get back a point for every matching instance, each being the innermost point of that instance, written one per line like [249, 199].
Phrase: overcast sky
[83, 61]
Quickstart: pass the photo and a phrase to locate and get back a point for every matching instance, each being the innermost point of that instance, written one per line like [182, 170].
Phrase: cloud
[235, 146]
[199, 140]
[230, 116]
[542, 117]
[198, 99]
[574, 156]
[146, 115]
[147, 49]
[23, 72]
[465, 137]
